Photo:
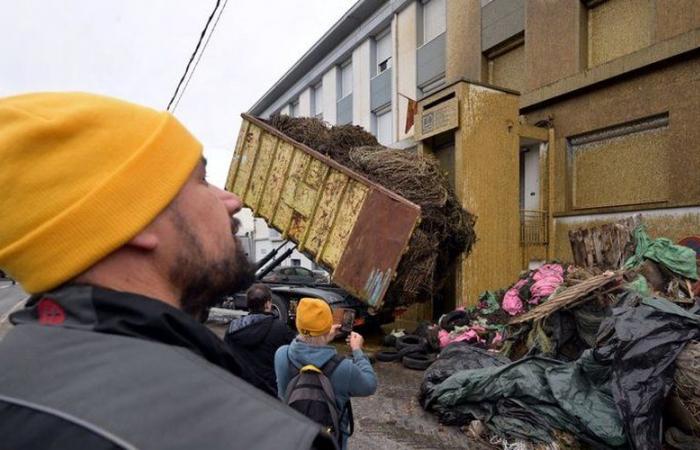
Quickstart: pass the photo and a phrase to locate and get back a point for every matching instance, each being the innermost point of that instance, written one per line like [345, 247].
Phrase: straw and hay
[684, 399]
[579, 292]
[446, 229]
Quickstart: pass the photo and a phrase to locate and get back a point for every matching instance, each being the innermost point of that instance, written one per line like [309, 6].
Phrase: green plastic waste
[677, 258]
[489, 302]
[640, 286]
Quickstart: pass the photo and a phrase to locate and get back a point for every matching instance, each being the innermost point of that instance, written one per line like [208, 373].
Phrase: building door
[530, 178]
[444, 151]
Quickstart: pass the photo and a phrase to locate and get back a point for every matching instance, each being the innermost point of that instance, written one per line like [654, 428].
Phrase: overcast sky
[137, 50]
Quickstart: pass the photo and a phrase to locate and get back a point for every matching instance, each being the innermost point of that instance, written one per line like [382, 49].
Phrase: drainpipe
[395, 76]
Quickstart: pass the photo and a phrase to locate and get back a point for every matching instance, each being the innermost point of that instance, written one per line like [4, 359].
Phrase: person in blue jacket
[351, 378]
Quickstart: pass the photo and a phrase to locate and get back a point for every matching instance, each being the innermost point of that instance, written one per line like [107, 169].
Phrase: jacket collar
[102, 310]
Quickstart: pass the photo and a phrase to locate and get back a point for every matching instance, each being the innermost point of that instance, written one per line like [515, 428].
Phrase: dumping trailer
[353, 227]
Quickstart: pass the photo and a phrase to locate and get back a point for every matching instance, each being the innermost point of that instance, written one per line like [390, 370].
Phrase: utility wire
[199, 56]
[196, 49]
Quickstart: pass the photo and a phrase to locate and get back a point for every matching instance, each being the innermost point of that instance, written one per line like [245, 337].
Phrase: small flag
[411, 114]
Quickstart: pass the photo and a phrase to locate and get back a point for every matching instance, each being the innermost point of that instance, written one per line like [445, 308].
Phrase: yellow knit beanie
[314, 317]
[82, 174]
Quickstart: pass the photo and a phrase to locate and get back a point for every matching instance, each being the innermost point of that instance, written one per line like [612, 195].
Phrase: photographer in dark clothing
[256, 337]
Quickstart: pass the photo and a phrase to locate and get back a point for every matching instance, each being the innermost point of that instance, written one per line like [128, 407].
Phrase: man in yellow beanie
[352, 377]
[108, 221]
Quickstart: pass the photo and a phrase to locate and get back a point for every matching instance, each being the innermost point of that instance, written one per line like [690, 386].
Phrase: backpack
[311, 393]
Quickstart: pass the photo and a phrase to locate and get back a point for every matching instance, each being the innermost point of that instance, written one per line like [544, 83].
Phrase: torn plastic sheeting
[488, 304]
[531, 398]
[611, 396]
[677, 258]
[455, 357]
[644, 346]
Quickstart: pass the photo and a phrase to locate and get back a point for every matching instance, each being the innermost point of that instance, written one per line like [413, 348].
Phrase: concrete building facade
[548, 115]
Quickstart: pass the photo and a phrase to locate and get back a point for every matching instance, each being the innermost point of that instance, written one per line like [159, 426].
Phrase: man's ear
[145, 240]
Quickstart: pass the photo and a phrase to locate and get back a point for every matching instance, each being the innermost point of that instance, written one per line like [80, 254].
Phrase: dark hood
[250, 330]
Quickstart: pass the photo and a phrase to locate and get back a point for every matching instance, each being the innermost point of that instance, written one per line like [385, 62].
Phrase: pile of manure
[446, 230]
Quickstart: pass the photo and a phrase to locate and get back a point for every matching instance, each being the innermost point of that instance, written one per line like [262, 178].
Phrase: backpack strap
[328, 369]
[332, 364]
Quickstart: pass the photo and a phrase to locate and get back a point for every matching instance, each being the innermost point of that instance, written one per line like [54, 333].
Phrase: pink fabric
[447, 338]
[497, 339]
[512, 303]
[520, 284]
[547, 279]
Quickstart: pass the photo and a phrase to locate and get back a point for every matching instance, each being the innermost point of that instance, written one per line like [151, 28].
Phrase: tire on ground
[420, 361]
[410, 340]
[396, 355]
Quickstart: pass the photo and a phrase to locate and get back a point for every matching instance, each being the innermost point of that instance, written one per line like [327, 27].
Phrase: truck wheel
[280, 309]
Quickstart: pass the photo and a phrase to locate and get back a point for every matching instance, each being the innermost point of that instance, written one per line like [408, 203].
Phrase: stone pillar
[463, 57]
[487, 184]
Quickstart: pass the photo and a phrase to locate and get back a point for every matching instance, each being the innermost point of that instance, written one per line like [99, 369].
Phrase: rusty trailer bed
[352, 226]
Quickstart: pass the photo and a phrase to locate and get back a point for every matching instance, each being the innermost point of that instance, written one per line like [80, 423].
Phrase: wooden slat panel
[290, 222]
[347, 215]
[317, 172]
[297, 170]
[246, 160]
[273, 188]
[326, 212]
[233, 169]
[261, 167]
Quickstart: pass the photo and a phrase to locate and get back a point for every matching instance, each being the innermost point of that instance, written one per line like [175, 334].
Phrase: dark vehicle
[286, 294]
[294, 274]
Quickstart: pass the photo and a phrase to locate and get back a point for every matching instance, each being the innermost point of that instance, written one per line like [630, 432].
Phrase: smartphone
[345, 317]
[348, 320]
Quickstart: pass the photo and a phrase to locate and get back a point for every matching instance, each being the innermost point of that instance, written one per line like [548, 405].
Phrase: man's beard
[203, 281]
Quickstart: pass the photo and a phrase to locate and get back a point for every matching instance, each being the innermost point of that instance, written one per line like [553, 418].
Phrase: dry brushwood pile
[446, 229]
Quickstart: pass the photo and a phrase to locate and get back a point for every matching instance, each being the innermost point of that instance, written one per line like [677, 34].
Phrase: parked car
[294, 274]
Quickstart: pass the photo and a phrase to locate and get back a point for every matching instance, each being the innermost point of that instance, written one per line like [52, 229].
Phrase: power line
[196, 49]
[199, 56]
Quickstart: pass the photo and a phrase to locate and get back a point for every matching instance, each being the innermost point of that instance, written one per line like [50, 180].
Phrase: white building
[362, 71]
[366, 67]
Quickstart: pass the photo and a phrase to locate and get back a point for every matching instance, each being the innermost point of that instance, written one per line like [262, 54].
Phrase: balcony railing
[533, 227]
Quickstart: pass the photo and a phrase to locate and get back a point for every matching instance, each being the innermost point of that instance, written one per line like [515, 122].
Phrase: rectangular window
[296, 262]
[385, 134]
[383, 52]
[317, 93]
[345, 80]
[434, 21]
[294, 108]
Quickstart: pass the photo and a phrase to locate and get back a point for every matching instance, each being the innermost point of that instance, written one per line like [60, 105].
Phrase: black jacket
[91, 368]
[254, 339]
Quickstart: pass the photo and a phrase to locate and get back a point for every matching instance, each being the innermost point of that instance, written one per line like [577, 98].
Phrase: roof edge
[354, 17]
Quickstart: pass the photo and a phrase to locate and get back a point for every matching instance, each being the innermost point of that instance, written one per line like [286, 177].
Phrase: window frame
[347, 65]
[317, 89]
[424, 3]
[382, 112]
[386, 34]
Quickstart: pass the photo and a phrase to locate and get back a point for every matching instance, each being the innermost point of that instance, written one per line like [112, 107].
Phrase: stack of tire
[413, 351]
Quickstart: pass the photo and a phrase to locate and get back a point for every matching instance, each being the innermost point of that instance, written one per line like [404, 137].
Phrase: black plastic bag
[643, 348]
[455, 357]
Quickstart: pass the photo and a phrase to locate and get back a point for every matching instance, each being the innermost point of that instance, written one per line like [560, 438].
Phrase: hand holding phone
[356, 341]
